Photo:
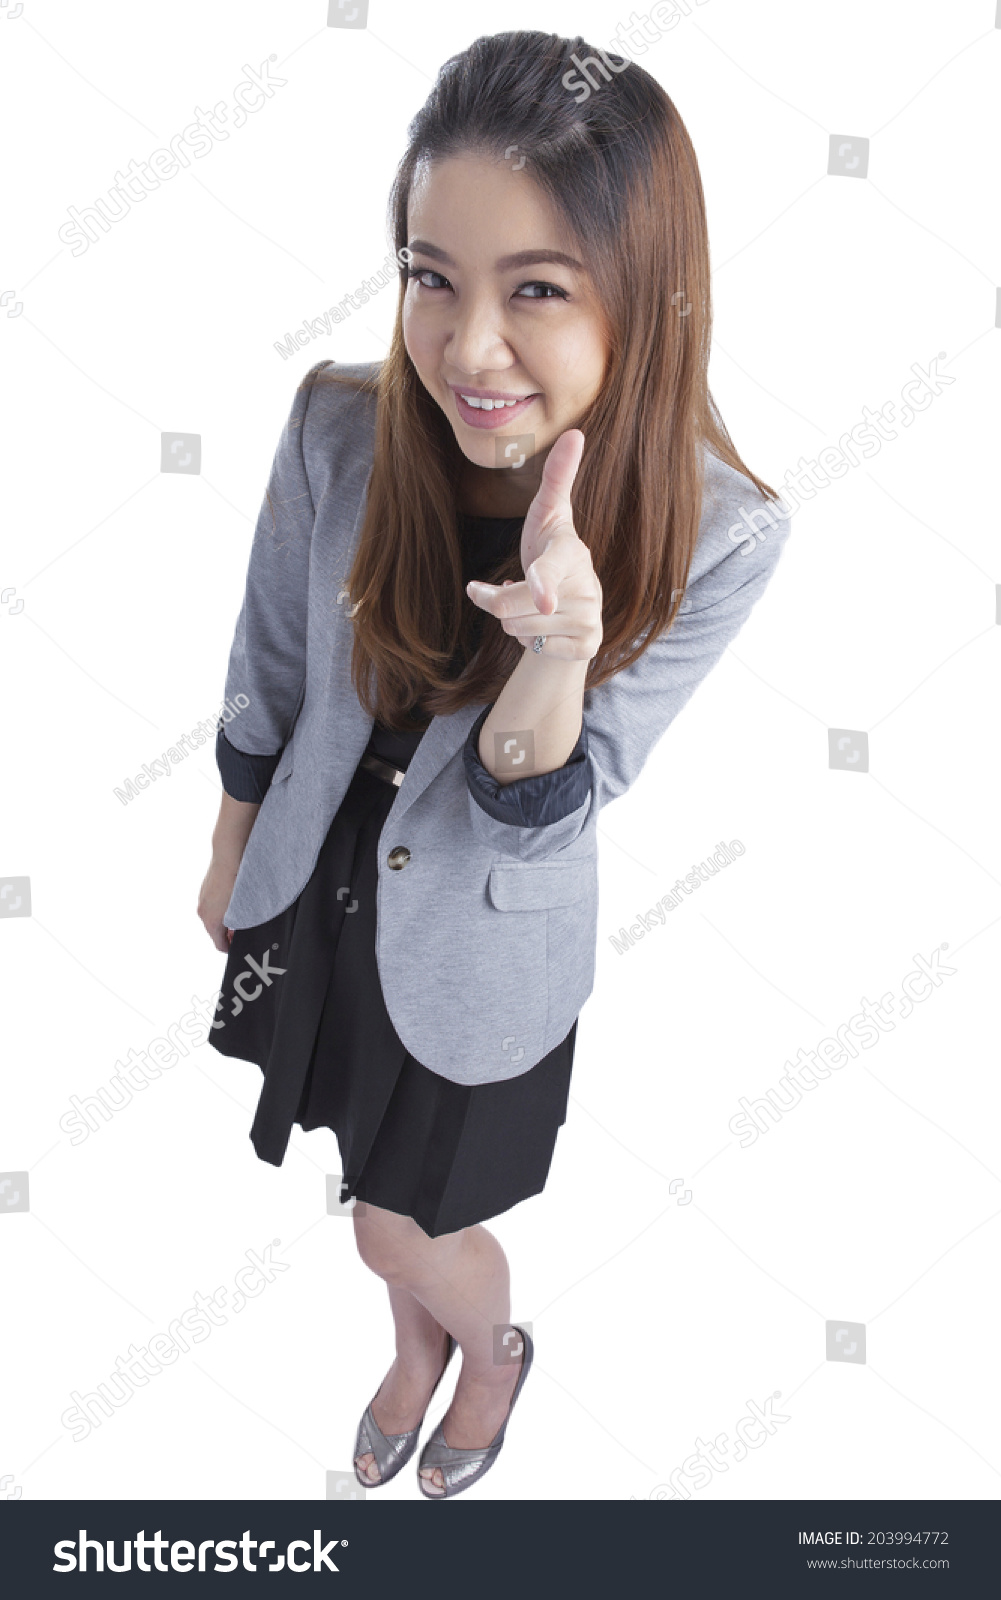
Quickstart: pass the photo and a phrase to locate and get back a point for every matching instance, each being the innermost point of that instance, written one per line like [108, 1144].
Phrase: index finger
[559, 473]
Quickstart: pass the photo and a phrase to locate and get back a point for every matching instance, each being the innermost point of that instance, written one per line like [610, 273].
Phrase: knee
[393, 1247]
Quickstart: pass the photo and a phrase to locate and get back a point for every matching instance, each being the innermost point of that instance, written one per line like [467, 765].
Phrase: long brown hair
[619, 168]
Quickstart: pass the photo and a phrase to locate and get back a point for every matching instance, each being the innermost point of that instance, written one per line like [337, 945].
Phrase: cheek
[411, 333]
[573, 365]
[418, 334]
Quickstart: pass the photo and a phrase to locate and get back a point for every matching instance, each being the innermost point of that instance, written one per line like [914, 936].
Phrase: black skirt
[301, 998]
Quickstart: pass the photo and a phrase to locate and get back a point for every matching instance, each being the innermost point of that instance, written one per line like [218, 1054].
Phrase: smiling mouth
[490, 411]
[491, 404]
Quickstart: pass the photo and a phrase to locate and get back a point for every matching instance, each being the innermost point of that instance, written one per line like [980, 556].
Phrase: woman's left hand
[560, 596]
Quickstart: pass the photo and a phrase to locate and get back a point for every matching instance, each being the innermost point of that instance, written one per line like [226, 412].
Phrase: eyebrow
[522, 258]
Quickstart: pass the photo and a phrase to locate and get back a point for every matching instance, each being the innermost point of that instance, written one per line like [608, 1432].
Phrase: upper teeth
[487, 405]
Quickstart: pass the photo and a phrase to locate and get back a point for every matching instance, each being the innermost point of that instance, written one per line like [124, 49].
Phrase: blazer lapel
[444, 736]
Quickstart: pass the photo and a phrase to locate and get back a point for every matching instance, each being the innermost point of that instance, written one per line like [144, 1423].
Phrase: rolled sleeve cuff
[244, 777]
[535, 800]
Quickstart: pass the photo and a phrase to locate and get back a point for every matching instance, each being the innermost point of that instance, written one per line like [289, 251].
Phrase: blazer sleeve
[533, 801]
[244, 777]
[627, 716]
[266, 675]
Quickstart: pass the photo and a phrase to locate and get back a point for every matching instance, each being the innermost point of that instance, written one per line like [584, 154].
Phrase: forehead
[479, 207]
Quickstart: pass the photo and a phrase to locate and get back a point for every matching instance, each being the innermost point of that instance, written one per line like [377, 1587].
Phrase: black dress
[301, 997]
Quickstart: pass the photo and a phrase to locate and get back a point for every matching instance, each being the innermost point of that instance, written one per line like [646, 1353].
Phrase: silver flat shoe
[461, 1468]
[391, 1450]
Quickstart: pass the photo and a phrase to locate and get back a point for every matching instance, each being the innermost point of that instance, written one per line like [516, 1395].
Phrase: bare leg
[460, 1283]
[421, 1344]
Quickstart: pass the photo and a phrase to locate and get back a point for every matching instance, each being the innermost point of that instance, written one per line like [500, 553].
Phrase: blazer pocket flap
[538, 885]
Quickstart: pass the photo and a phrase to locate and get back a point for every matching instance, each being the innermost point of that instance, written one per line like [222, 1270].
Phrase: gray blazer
[487, 933]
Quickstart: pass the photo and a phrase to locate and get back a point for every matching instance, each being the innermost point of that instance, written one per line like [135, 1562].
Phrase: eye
[553, 287]
[424, 272]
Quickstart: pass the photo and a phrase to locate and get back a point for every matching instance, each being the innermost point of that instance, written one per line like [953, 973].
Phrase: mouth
[490, 408]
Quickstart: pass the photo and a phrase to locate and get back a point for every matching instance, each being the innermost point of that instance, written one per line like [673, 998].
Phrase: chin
[482, 452]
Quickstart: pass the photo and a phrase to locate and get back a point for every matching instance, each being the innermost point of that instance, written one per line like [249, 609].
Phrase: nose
[477, 340]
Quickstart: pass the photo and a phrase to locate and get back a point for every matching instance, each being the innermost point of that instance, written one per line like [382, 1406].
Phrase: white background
[878, 1199]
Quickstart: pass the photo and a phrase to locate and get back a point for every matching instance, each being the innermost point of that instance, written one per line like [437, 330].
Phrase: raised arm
[626, 717]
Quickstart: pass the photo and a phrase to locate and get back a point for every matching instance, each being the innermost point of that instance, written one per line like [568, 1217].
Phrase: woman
[488, 573]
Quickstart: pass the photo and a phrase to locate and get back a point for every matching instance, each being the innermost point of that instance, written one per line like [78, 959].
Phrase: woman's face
[499, 306]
